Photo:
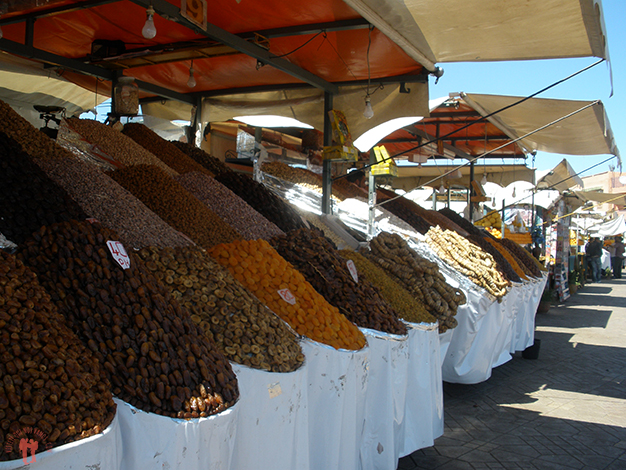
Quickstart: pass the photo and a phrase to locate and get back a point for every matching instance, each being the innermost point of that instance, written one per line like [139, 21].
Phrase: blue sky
[524, 78]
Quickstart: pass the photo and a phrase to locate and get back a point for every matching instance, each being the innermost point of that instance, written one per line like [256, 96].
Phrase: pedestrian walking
[617, 257]
[593, 251]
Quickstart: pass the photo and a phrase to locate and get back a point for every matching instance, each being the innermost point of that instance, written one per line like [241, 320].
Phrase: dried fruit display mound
[213, 164]
[29, 198]
[502, 263]
[277, 284]
[460, 221]
[117, 145]
[418, 275]
[156, 357]
[513, 261]
[231, 208]
[524, 256]
[163, 149]
[268, 204]
[468, 259]
[400, 210]
[34, 142]
[327, 271]
[294, 175]
[244, 329]
[408, 308]
[174, 204]
[49, 381]
[111, 204]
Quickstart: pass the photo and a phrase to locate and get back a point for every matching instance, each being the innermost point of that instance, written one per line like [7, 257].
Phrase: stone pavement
[566, 410]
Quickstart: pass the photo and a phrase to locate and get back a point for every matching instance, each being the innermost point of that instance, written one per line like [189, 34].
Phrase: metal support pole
[471, 192]
[502, 218]
[258, 138]
[434, 199]
[195, 119]
[29, 34]
[371, 199]
[326, 165]
[449, 197]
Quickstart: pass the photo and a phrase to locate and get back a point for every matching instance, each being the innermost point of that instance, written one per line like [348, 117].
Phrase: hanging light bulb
[483, 181]
[514, 195]
[149, 30]
[192, 81]
[369, 111]
[442, 189]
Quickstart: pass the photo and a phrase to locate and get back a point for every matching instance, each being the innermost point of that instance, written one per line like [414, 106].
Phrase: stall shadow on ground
[565, 410]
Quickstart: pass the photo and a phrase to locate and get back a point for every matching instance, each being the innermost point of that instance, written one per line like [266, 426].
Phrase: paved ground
[566, 410]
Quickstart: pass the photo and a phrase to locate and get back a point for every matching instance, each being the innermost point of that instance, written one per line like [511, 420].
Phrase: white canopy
[561, 178]
[610, 228]
[489, 30]
[585, 133]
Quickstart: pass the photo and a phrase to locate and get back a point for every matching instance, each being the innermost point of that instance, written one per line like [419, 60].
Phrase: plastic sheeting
[102, 451]
[337, 385]
[385, 400]
[154, 441]
[423, 411]
[272, 421]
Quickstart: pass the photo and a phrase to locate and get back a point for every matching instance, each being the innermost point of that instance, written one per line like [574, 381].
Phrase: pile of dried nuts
[231, 208]
[294, 175]
[268, 204]
[163, 149]
[468, 259]
[418, 275]
[50, 382]
[214, 165]
[29, 198]
[244, 330]
[287, 293]
[174, 204]
[156, 357]
[116, 145]
[320, 263]
[397, 296]
[112, 205]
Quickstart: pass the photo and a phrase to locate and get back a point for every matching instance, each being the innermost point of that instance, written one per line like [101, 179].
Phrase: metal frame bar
[55, 11]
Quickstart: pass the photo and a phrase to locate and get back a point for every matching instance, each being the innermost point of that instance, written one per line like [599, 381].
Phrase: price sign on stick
[119, 254]
[353, 271]
[287, 296]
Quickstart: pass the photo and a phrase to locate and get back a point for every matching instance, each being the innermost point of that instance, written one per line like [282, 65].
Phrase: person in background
[593, 251]
[617, 257]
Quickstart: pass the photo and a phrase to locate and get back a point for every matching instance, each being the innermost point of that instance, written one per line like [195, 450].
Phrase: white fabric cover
[385, 400]
[525, 320]
[560, 178]
[586, 133]
[337, 383]
[488, 30]
[609, 228]
[272, 420]
[102, 451]
[423, 412]
[154, 441]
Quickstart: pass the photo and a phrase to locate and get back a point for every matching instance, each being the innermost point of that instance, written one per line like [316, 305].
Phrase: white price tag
[274, 390]
[287, 296]
[353, 271]
[119, 254]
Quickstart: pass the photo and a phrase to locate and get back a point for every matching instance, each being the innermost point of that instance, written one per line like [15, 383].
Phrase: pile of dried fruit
[231, 208]
[175, 205]
[29, 198]
[214, 165]
[314, 256]
[268, 204]
[244, 330]
[523, 256]
[157, 358]
[163, 149]
[468, 259]
[116, 145]
[460, 221]
[397, 296]
[418, 275]
[111, 204]
[502, 263]
[50, 381]
[513, 261]
[399, 209]
[294, 175]
[287, 293]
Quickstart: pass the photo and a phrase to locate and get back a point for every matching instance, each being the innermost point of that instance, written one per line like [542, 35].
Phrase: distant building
[607, 182]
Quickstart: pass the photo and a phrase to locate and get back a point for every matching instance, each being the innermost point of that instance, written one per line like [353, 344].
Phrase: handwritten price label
[287, 296]
[119, 254]
[353, 271]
